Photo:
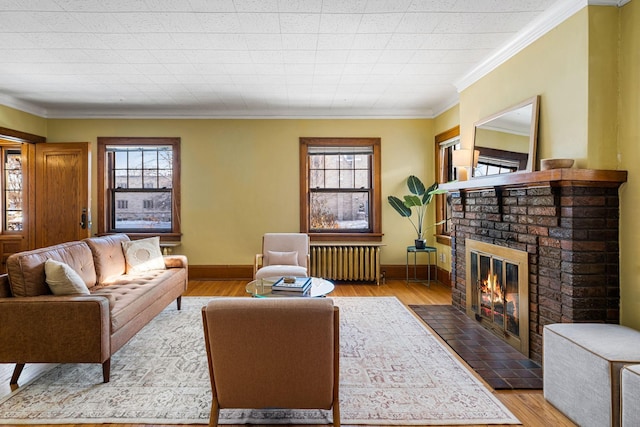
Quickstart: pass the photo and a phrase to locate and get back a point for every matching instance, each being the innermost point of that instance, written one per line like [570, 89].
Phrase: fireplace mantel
[575, 177]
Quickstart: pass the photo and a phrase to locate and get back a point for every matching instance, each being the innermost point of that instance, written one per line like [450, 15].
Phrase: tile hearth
[499, 364]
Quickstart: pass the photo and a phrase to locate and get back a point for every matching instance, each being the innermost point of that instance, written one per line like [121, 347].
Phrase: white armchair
[283, 254]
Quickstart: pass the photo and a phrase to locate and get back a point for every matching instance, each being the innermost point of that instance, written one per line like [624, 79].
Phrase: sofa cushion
[63, 280]
[143, 255]
[131, 293]
[26, 269]
[108, 256]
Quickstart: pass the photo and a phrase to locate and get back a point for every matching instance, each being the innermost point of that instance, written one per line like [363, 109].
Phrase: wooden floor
[529, 406]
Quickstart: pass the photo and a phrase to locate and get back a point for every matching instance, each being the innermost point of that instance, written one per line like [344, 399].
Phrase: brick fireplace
[566, 220]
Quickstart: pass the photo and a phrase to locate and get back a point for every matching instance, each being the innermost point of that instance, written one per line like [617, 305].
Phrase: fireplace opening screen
[497, 291]
[495, 296]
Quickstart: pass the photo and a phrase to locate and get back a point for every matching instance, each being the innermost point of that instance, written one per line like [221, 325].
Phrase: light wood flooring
[529, 406]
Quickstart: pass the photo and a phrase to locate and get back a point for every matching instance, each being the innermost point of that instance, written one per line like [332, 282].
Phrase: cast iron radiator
[346, 261]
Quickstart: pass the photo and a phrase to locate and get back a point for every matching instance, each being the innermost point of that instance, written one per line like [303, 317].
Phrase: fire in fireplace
[497, 291]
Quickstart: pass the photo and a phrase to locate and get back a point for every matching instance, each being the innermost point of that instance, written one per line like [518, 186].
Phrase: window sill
[345, 237]
[168, 238]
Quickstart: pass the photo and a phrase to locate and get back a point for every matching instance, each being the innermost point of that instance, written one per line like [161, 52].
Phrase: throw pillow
[282, 258]
[143, 255]
[62, 279]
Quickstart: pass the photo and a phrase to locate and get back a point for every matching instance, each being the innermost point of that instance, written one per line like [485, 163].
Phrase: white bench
[630, 390]
[582, 363]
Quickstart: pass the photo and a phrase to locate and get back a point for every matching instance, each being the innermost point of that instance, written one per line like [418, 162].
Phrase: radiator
[348, 261]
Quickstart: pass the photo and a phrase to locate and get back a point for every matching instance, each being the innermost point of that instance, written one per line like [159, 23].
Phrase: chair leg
[179, 302]
[106, 370]
[336, 415]
[215, 413]
[16, 373]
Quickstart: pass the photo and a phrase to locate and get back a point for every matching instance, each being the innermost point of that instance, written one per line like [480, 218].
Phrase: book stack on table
[295, 286]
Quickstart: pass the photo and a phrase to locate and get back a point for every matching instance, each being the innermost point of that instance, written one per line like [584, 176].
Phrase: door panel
[62, 192]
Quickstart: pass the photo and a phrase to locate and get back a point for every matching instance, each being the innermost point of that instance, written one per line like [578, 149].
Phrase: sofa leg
[106, 370]
[179, 302]
[16, 373]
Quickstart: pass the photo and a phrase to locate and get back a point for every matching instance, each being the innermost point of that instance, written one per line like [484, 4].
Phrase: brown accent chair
[272, 353]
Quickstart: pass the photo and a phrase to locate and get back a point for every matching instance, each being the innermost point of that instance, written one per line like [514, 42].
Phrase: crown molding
[446, 105]
[24, 106]
[547, 21]
[238, 114]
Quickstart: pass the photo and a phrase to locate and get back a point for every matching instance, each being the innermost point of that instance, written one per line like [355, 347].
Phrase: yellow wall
[240, 178]
[554, 67]
[629, 149]
[24, 122]
[603, 87]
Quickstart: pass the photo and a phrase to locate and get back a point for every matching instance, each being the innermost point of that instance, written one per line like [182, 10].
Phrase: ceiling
[254, 58]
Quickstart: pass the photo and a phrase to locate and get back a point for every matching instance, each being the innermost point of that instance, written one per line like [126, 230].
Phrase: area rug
[500, 365]
[393, 372]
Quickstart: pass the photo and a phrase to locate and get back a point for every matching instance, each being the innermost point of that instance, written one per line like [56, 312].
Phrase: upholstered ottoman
[582, 363]
[630, 396]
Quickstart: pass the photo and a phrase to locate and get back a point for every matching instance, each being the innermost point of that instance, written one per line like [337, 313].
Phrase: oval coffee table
[261, 288]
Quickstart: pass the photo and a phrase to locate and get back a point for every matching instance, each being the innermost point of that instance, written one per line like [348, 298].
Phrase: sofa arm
[175, 261]
[55, 329]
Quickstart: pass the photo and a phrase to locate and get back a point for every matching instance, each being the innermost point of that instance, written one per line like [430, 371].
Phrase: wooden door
[62, 193]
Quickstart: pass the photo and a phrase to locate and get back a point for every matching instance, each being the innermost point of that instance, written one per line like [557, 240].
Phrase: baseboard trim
[220, 272]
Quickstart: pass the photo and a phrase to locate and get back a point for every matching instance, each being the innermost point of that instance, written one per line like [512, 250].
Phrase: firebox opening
[498, 291]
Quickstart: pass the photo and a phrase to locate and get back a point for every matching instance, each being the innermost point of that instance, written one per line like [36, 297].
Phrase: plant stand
[428, 250]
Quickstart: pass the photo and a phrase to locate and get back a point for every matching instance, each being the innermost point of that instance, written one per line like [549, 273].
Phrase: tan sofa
[39, 327]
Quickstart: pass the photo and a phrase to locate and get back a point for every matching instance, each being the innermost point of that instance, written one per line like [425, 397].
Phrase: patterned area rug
[393, 372]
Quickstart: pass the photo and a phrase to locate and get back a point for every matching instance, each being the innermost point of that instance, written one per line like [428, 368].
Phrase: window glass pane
[346, 179]
[150, 179]
[165, 178]
[316, 178]
[347, 161]
[135, 160]
[362, 179]
[121, 160]
[361, 161]
[331, 179]
[339, 211]
[14, 220]
[150, 159]
[165, 159]
[316, 161]
[121, 180]
[134, 178]
[331, 161]
[142, 210]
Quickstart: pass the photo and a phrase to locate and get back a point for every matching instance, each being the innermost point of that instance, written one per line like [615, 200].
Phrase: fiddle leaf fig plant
[418, 200]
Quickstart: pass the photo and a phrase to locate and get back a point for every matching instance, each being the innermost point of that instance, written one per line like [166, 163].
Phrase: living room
[240, 176]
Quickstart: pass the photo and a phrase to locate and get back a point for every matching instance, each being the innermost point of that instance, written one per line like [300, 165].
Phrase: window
[139, 182]
[12, 202]
[446, 143]
[340, 188]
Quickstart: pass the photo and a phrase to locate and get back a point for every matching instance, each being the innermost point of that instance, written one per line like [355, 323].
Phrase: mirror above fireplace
[506, 141]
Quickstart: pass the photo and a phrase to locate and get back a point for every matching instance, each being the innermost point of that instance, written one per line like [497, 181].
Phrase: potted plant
[419, 199]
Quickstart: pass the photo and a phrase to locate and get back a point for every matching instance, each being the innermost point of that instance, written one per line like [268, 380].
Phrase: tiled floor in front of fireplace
[499, 364]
